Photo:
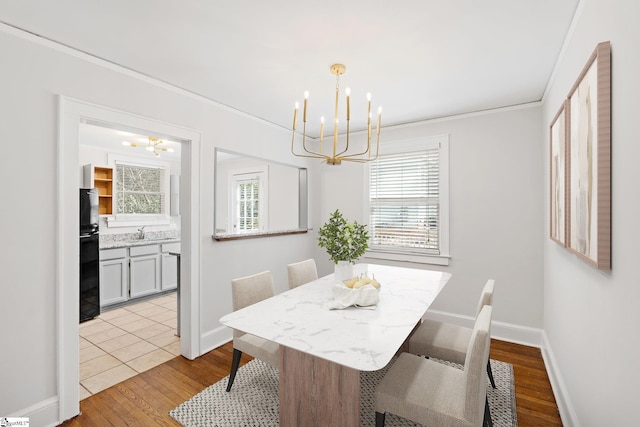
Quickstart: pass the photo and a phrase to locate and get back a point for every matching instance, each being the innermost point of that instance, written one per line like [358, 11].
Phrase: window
[139, 190]
[248, 205]
[249, 201]
[408, 202]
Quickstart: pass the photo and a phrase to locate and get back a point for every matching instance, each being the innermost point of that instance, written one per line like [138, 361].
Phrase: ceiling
[111, 140]
[420, 59]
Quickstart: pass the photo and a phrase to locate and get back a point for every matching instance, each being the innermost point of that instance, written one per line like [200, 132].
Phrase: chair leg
[488, 422]
[490, 373]
[380, 419]
[235, 362]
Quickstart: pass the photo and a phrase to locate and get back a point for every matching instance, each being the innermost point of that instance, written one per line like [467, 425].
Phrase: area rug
[253, 401]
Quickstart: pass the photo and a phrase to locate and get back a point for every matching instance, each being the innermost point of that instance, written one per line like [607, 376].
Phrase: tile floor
[123, 342]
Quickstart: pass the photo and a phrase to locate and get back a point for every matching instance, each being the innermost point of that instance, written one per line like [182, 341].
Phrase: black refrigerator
[89, 255]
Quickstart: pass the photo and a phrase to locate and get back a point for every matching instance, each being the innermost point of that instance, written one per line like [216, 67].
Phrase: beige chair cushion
[246, 291]
[475, 365]
[435, 394]
[486, 297]
[444, 340]
[412, 381]
[302, 272]
[441, 340]
[267, 351]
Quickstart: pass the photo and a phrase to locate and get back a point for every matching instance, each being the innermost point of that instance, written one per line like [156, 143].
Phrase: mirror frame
[303, 191]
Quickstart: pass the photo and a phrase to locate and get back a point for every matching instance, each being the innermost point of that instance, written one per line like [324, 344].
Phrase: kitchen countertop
[139, 242]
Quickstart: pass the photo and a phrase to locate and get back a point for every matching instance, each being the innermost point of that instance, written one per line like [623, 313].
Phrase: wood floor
[146, 399]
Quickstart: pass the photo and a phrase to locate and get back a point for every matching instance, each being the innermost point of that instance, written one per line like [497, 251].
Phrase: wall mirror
[255, 197]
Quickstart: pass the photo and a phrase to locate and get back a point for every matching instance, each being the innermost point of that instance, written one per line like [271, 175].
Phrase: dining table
[323, 350]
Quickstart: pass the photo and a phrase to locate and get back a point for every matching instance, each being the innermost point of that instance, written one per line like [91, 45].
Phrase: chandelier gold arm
[337, 157]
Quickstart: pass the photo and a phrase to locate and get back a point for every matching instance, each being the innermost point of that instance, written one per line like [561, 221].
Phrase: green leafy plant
[343, 240]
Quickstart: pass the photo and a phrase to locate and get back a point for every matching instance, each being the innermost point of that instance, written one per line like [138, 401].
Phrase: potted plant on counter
[344, 241]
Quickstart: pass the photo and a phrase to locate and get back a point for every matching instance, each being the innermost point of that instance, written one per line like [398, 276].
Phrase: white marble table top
[358, 338]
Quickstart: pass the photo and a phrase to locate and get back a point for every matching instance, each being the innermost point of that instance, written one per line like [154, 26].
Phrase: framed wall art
[558, 179]
[589, 161]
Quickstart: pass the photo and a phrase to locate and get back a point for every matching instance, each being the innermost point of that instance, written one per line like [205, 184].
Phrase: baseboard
[567, 413]
[45, 413]
[499, 330]
[214, 339]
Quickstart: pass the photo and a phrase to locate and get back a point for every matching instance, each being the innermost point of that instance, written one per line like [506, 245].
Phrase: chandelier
[154, 145]
[337, 153]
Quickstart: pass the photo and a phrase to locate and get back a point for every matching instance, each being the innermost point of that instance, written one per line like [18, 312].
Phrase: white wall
[496, 222]
[590, 316]
[33, 75]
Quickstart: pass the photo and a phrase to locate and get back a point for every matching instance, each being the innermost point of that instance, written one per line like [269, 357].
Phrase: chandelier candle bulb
[368, 107]
[379, 115]
[306, 98]
[321, 129]
[295, 115]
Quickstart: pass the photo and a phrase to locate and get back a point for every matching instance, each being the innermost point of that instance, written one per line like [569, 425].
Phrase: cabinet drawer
[112, 253]
[144, 250]
[171, 247]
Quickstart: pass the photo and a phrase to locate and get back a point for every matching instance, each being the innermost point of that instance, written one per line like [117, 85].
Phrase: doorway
[136, 328]
[72, 113]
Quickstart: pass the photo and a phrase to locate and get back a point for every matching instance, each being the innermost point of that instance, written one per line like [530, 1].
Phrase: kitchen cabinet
[114, 269]
[169, 266]
[100, 177]
[144, 270]
[130, 272]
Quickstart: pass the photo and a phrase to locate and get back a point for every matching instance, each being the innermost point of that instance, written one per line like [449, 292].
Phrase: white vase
[343, 270]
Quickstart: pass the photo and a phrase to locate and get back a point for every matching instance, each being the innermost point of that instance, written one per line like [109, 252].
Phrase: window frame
[441, 142]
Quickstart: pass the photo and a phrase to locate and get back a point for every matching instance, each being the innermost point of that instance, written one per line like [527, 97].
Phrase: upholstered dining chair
[302, 272]
[246, 291]
[435, 394]
[447, 341]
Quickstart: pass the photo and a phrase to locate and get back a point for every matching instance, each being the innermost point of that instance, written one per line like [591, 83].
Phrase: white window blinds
[404, 202]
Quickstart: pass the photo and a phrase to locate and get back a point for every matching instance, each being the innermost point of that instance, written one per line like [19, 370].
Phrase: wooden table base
[315, 392]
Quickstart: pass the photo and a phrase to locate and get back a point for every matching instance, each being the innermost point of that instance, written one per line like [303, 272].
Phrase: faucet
[141, 232]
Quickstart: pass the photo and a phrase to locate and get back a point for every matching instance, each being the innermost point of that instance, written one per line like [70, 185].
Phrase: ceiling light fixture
[153, 146]
[336, 157]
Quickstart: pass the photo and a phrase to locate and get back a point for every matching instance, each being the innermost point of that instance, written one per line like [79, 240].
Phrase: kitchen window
[141, 192]
[408, 202]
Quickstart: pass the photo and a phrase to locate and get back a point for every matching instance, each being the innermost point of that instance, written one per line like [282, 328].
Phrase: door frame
[71, 112]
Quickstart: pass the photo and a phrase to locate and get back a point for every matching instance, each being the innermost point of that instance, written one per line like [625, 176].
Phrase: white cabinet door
[169, 271]
[113, 281]
[144, 275]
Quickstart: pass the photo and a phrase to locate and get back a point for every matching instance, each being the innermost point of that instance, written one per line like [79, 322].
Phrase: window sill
[226, 237]
[406, 257]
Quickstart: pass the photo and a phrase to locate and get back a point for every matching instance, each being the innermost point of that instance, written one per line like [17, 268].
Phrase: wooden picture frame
[589, 161]
[558, 143]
